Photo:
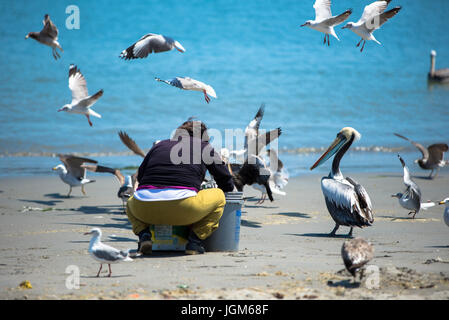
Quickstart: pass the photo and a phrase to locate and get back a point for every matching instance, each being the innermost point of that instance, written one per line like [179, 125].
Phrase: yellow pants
[202, 212]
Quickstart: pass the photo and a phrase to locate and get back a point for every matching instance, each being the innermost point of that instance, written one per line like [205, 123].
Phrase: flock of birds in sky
[347, 201]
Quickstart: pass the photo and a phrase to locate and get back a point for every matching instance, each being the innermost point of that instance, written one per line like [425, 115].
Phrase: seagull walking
[411, 198]
[324, 21]
[104, 253]
[373, 17]
[432, 156]
[47, 36]
[72, 172]
[187, 83]
[356, 253]
[150, 43]
[81, 101]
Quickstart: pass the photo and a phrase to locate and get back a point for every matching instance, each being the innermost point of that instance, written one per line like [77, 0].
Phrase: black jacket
[179, 163]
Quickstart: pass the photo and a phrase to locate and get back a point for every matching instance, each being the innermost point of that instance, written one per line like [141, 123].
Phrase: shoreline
[284, 251]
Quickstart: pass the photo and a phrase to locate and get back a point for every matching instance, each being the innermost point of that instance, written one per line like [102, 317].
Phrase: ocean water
[251, 52]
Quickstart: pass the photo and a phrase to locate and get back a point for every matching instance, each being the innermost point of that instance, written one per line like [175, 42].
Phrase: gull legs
[262, 198]
[55, 54]
[88, 119]
[82, 189]
[206, 97]
[101, 266]
[326, 36]
[70, 191]
[363, 46]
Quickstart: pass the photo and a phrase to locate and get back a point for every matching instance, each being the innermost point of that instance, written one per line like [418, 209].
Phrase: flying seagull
[81, 101]
[150, 43]
[103, 253]
[356, 253]
[48, 36]
[347, 201]
[373, 17]
[191, 84]
[432, 156]
[72, 172]
[411, 198]
[324, 21]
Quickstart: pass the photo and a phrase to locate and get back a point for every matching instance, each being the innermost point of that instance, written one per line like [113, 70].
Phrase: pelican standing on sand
[72, 172]
[191, 84]
[373, 18]
[356, 253]
[440, 75]
[81, 101]
[150, 43]
[324, 21]
[103, 253]
[47, 36]
[432, 156]
[347, 201]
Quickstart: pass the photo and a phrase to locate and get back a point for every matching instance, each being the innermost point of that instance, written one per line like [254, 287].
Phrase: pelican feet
[414, 214]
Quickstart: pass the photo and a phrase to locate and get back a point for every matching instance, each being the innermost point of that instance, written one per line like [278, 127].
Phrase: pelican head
[343, 137]
[307, 23]
[433, 53]
[66, 108]
[445, 201]
[94, 232]
[349, 25]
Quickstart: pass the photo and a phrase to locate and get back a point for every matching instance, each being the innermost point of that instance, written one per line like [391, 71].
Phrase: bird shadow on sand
[321, 235]
[126, 225]
[260, 206]
[401, 176]
[109, 209]
[348, 284]
[295, 215]
[42, 202]
[58, 196]
[400, 218]
[105, 276]
[157, 254]
[250, 224]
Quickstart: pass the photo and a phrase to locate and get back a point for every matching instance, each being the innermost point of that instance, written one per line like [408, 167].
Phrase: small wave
[357, 149]
[54, 155]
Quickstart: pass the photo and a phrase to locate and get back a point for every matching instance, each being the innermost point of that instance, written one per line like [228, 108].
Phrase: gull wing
[322, 10]
[377, 21]
[334, 21]
[77, 84]
[49, 28]
[146, 45]
[131, 144]
[73, 164]
[98, 168]
[436, 152]
[252, 128]
[424, 151]
[373, 10]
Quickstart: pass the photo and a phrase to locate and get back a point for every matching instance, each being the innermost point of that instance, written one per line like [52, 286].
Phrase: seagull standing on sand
[103, 253]
[432, 156]
[72, 172]
[347, 201]
[411, 198]
[356, 253]
[324, 21]
[81, 101]
[150, 43]
[373, 18]
[48, 36]
[191, 84]
[446, 211]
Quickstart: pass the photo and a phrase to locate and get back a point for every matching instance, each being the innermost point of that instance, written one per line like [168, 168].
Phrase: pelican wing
[436, 152]
[73, 164]
[322, 9]
[343, 203]
[364, 199]
[424, 151]
[377, 21]
[131, 144]
[373, 10]
[49, 28]
[77, 84]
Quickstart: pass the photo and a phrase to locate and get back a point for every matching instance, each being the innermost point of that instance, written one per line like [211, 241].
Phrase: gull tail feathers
[427, 205]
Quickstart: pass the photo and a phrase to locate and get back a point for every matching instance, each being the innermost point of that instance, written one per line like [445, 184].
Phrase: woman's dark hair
[194, 128]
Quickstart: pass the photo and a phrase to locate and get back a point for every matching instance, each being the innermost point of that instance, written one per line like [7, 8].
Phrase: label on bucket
[238, 214]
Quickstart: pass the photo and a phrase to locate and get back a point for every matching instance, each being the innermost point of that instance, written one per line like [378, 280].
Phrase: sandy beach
[284, 249]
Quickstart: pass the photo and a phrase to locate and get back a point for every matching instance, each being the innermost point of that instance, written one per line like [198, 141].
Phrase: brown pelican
[432, 156]
[187, 83]
[440, 75]
[81, 101]
[446, 210]
[347, 201]
[48, 36]
[373, 18]
[324, 21]
[356, 253]
[150, 43]
[72, 172]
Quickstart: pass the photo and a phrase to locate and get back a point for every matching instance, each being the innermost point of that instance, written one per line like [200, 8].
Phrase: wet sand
[285, 252]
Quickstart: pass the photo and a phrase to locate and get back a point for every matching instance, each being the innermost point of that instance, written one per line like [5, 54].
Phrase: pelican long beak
[334, 147]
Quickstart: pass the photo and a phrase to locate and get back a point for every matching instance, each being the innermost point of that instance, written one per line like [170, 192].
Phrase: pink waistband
[165, 187]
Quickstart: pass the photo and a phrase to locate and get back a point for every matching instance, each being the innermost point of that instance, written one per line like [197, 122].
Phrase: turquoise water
[249, 51]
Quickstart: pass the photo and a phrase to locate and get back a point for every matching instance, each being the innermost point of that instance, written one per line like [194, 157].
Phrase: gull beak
[303, 25]
[54, 168]
[27, 36]
[333, 148]
[87, 233]
[442, 202]
[59, 110]
[393, 196]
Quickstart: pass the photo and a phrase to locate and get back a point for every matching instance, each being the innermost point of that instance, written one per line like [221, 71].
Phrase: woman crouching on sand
[169, 192]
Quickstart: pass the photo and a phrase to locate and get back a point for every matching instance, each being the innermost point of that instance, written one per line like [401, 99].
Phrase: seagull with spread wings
[150, 43]
[373, 17]
[47, 36]
[324, 21]
[81, 100]
[432, 156]
[72, 171]
[186, 83]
